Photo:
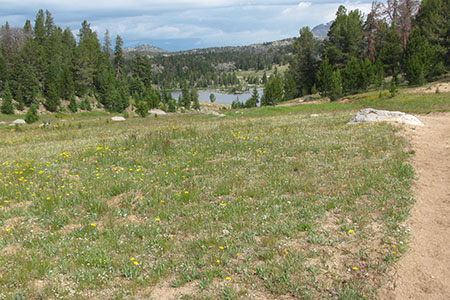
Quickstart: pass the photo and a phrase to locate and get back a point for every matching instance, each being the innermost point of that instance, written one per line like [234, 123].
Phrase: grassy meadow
[264, 203]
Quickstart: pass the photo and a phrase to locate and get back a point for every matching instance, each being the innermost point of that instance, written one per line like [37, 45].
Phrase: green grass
[270, 202]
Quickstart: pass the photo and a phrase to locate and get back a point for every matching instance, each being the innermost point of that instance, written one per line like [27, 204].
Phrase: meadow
[264, 203]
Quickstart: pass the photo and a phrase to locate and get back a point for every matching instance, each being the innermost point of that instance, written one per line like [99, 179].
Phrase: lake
[203, 96]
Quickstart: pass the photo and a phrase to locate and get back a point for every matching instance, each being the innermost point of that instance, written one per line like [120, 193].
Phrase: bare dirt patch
[442, 86]
[424, 271]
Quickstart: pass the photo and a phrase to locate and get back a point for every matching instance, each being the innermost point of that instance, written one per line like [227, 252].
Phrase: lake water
[203, 96]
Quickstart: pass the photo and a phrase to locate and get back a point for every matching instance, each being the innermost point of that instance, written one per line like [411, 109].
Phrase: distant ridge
[320, 31]
[147, 49]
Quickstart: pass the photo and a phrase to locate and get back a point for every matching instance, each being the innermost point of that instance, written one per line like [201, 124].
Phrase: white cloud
[204, 22]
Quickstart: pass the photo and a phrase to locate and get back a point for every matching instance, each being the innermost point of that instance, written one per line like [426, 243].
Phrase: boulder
[308, 98]
[370, 115]
[314, 115]
[118, 119]
[157, 112]
[18, 121]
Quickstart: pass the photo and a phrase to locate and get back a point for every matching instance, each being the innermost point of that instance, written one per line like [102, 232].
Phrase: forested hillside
[43, 64]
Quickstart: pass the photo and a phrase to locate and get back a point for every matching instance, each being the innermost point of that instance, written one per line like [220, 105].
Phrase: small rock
[2, 123]
[157, 112]
[308, 98]
[18, 121]
[314, 115]
[370, 115]
[118, 119]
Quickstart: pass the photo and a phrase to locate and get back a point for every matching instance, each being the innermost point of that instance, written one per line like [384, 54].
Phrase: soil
[424, 271]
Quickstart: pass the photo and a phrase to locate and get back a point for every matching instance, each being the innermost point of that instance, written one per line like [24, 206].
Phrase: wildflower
[162, 201]
[132, 259]
[93, 224]
[157, 219]
[223, 204]
[186, 192]
[228, 278]
[221, 247]
[218, 261]
[355, 268]
[237, 254]
[351, 231]
[135, 263]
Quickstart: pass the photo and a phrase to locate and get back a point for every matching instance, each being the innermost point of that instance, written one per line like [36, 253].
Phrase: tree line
[398, 38]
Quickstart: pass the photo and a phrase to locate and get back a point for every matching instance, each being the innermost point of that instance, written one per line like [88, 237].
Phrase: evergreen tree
[4, 72]
[118, 56]
[212, 98]
[194, 98]
[107, 43]
[66, 83]
[304, 64]
[19, 99]
[324, 76]
[31, 115]
[185, 96]
[7, 106]
[85, 60]
[420, 59]
[389, 48]
[273, 91]
[433, 23]
[253, 100]
[142, 109]
[172, 106]
[335, 91]
[379, 73]
[85, 104]
[52, 101]
[345, 38]
[351, 75]
[290, 88]
[73, 106]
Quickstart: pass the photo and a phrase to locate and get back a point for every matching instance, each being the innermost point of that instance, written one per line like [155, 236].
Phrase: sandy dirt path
[424, 271]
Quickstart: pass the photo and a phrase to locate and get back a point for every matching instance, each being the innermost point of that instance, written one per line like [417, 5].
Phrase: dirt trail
[424, 271]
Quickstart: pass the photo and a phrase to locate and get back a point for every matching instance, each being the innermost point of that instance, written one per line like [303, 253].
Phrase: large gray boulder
[370, 115]
[157, 112]
[18, 121]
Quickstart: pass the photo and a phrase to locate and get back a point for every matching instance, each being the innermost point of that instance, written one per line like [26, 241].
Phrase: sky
[183, 24]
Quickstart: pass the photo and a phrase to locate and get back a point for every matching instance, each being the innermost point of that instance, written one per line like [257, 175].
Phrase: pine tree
[7, 106]
[303, 67]
[65, 80]
[31, 115]
[335, 91]
[185, 96]
[273, 91]
[19, 99]
[290, 88]
[142, 109]
[194, 98]
[324, 76]
[118, 56]
[253, 100]
[420, 59]
[351, 75]
[52, 101]
[345, 37]
[85, 104]
[73, 106]
[433, 23]
[212, 98]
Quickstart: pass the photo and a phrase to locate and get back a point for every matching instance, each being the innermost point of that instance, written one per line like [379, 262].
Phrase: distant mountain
[264, 47]
[320, 31]
[144, 49]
